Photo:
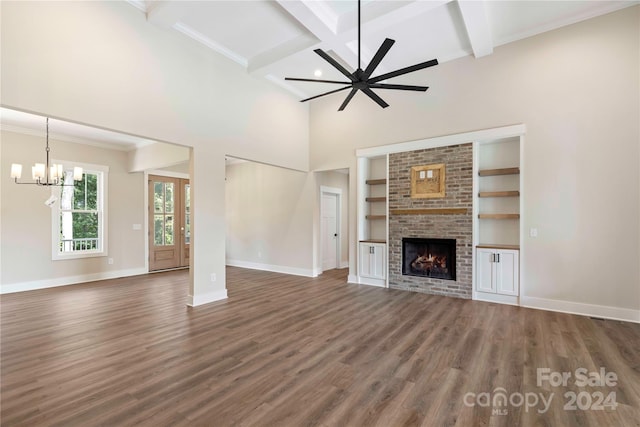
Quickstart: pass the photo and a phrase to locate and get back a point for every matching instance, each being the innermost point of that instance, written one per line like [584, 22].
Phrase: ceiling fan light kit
[361, 80]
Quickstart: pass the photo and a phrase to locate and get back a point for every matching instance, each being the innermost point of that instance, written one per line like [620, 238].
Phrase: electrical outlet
[110, 261]
[533, 232]
[137, 226]
[213, 277]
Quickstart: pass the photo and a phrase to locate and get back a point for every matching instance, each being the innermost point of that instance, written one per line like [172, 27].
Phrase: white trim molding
[306, 272]
[592, 310]
[209, 297]
[443, 141]
[69, 280]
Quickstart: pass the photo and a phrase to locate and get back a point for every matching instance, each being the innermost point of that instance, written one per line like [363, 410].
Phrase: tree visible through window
[80, 215]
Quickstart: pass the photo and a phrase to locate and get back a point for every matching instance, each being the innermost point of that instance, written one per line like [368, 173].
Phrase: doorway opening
[333, 219]
[330, 214]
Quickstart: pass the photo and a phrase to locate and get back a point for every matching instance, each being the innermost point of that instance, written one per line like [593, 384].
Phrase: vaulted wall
[577, 91]
[102, 64]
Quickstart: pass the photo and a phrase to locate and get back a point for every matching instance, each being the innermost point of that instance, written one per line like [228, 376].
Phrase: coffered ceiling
[274, 39]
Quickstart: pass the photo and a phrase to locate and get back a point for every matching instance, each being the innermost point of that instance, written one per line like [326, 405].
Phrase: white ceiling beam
[474, 15]
[309, 18]
[376, 17]
[164, 14]
[259, 63]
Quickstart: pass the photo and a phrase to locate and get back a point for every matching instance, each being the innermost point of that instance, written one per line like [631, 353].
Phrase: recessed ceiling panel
[438, 34]
[247, 28]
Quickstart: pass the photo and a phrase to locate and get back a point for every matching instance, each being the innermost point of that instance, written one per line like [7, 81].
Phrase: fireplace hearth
[435, 258]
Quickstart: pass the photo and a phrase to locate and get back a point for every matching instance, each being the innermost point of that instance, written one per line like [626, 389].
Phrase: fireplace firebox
[435, 258]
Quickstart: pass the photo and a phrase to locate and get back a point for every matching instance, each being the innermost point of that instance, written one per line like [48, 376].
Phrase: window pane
[66, 196]
[168, 230]
[158, 230]
[78, 231]
[91, 180]
[187, 210]
[79, 193]
[187, 199]
[168, 204]
[187, 229]
[158, 196]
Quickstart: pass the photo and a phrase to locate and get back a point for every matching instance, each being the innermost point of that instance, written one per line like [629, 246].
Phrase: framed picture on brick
[427, 181]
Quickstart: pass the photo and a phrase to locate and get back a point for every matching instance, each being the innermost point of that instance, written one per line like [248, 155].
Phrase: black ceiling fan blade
[335, 63]
[347, 99]
[377, 58]
[371, 94]
[405, 70]
[326, 93]
[295, 79]
[399, 87]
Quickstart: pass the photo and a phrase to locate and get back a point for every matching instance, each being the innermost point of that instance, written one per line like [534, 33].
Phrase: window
[79, 218]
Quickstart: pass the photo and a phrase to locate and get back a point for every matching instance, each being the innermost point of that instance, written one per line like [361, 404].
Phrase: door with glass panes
[169, 223]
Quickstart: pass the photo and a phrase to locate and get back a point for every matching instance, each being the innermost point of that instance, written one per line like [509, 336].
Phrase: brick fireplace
[438, 227]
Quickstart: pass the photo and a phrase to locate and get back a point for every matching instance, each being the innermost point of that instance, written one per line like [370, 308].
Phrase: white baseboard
[270, 267]
[497, 298]
[317, 271]
[352, 279]
[602, 311]
[344, 264]
[69, 280]
[381, 283]
[200, 299]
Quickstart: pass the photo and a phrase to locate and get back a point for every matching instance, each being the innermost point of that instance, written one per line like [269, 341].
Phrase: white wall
[577, 91]
[158, 156]
[269, 218]
[102, 64]
[26, 221]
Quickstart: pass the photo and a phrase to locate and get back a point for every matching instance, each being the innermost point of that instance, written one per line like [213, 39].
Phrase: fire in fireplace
[434, 258]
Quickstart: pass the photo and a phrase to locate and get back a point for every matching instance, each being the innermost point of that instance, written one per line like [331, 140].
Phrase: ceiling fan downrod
[361, 80]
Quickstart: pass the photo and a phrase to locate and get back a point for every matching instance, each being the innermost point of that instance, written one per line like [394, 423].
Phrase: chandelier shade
[46, 174]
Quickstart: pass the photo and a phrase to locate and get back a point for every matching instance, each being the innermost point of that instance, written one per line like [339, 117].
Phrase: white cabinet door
[373, 260]
[506, 272]
[484, 271]
[365, 260]
[378, 270]
[497, 271]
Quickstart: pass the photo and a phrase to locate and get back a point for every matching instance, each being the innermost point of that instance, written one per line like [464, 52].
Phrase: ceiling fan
[362, 80]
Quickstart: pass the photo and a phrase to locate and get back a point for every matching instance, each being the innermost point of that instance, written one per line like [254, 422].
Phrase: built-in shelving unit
[381, 181]
[372, 220]
[501, 171]
[499, 216]
[499, 194]
[497, 229]
[375, 216]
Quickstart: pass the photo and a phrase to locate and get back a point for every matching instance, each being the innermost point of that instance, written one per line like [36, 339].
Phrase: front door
[169, 223]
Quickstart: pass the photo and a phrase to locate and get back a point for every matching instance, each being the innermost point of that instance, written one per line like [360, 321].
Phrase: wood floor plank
[289, 351]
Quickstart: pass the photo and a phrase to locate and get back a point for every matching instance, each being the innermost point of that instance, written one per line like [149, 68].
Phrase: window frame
[102, 204]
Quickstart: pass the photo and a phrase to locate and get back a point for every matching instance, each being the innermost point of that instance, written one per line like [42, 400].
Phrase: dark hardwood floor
[294, 351]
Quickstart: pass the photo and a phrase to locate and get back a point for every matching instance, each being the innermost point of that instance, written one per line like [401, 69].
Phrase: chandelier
[46, 174]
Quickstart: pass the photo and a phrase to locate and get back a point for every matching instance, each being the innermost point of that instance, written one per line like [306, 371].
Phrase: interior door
[169, 223]
[329, 229]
